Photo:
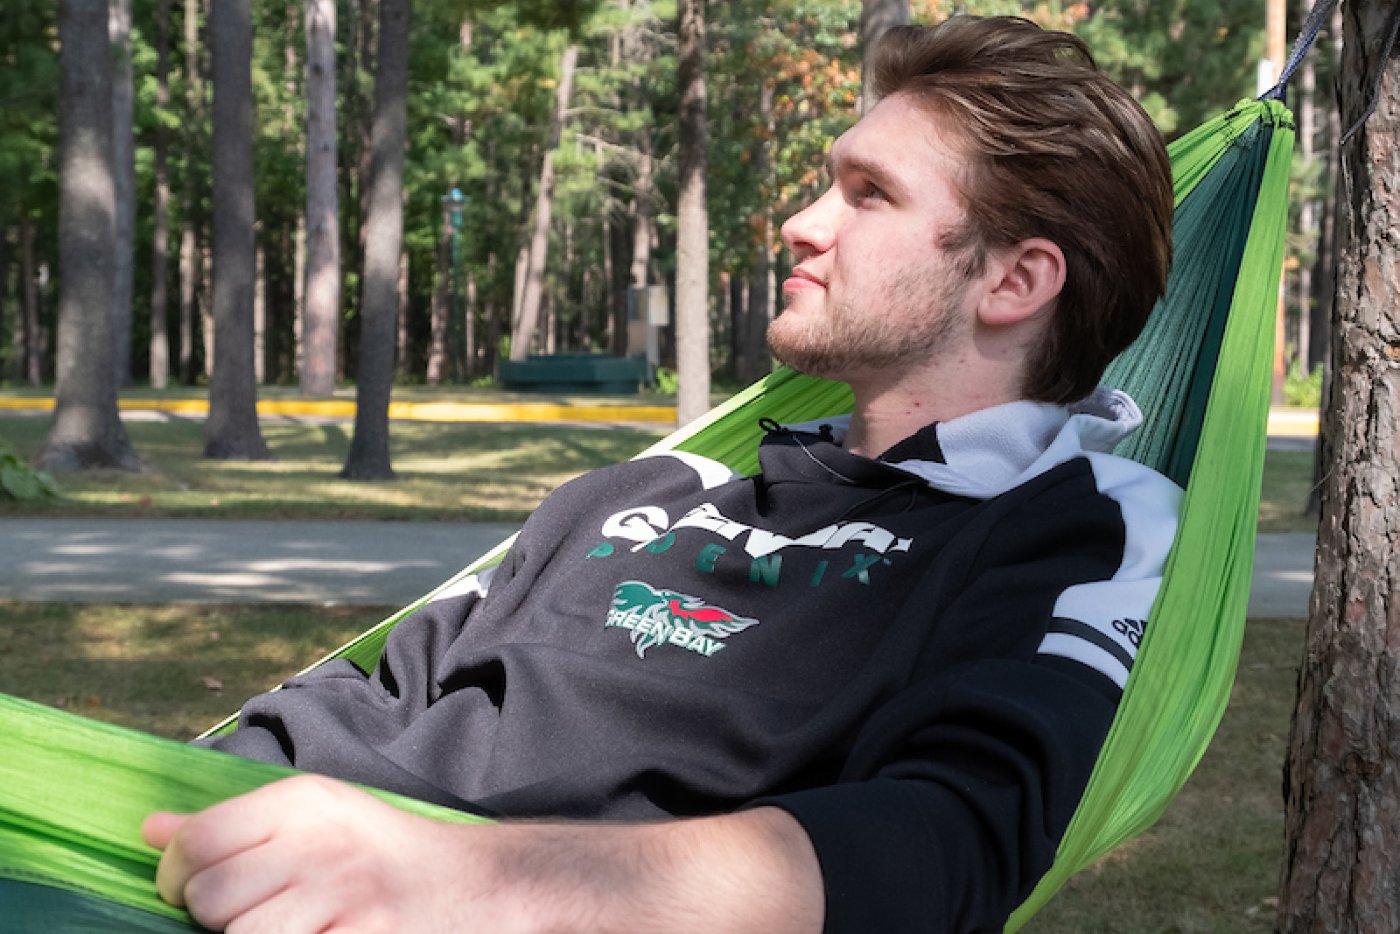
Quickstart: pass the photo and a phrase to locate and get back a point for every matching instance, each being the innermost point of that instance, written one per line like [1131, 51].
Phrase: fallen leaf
[212, 684]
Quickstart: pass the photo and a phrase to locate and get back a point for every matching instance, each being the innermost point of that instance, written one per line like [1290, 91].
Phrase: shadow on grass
[170, 670]
[475, 471]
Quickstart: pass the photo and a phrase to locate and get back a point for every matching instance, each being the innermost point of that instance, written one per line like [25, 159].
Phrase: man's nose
[812, 229]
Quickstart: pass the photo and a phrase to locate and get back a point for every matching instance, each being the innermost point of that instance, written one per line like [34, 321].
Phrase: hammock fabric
[73, 792]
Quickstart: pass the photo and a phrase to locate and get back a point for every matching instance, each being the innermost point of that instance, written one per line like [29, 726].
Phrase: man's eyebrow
[875, 171]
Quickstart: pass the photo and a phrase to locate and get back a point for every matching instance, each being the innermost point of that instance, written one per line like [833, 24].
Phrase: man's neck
[885, 415]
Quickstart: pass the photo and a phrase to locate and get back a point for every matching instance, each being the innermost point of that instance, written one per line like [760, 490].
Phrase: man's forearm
[311, 854]
[750, 871]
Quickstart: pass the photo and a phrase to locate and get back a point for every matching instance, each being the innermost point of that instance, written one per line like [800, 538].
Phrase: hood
[996, 449]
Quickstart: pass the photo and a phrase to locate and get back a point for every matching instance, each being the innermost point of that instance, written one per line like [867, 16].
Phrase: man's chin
[809, 361]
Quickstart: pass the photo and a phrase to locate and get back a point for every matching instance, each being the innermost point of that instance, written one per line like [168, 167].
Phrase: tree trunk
[159, 369]
[876, 16]
[13, 360]
[189, 275]
[692, 220]
[533, 290]
[469, 350]
[87, 431]
[29, 297]
[191, 271]
[124, 188]
[232, 432]
[438, 311]
[321, 318]
[1325, 273]
[369, 449]
[639, 271]
[1307, 210]
[260, 317]
[755, 359]
[617, 287]
[401, 318]
[1342, 779]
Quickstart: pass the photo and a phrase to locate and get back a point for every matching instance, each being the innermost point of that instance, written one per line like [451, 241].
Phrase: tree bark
[1325, 273]
[260, 316]
[1307, 210]
[124, 187]
[29, 296]
[369, 449]
[643, 229]
[190, 247]
[159, 369]
[86, 431]
[14, 359]
[756, 361]
[438, 311]
[692, 220]
[232, 432]
[876, 16]
[532, 292]
[1342, 779]
[321, 318]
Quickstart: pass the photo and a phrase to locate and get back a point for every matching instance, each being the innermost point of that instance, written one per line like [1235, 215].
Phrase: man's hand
[310, 854]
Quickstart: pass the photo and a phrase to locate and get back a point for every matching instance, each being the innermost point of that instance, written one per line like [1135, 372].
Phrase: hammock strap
[1320, 13]
[1391, 28]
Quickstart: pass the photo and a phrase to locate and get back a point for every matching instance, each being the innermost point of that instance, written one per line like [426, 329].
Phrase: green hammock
[73, 792]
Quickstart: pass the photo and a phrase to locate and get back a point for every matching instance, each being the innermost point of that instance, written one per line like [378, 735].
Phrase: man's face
[872, 290]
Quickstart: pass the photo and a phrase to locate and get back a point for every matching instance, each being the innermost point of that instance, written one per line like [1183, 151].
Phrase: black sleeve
[956, 793]
[953, 831]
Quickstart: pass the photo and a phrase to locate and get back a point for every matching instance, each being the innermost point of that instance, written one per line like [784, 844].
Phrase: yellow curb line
[405, 411]
[1293, 423]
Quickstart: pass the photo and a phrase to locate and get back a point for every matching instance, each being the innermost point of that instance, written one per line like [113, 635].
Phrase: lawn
[1210, 865]
[463, 471]
[171, 670]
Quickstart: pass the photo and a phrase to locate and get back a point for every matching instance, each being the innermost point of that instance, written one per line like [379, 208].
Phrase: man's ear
[1022, 280]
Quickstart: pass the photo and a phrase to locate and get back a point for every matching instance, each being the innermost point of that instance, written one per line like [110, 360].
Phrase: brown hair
[1056, 150]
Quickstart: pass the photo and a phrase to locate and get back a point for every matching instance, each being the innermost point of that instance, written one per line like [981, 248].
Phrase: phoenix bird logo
[658, 616]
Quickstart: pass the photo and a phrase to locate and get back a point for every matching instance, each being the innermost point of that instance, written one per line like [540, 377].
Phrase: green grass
[170, 670]
[1288, 479]
[1210, 864]
[468, 471]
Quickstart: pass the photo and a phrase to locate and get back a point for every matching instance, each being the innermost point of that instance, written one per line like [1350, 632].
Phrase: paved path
[366, 563]
[197, 561]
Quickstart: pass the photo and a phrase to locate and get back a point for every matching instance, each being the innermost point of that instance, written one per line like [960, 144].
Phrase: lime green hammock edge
[73, 791]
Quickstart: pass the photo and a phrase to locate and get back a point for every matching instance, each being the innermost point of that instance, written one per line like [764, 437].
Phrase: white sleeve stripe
[1087, 654]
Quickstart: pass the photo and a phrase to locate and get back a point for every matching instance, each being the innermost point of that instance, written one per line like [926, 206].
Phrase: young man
[860, 691]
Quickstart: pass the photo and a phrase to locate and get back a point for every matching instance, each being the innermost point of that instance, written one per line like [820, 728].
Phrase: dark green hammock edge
[73, 791]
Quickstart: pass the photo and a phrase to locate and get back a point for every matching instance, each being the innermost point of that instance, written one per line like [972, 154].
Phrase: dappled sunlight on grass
[1288, 478]
[170, 670]
[452, 471]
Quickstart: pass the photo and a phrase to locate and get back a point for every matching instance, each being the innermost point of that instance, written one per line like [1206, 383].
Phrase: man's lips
[801, 279]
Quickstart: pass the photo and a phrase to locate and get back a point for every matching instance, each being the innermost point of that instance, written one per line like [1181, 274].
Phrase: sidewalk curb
[398, 411]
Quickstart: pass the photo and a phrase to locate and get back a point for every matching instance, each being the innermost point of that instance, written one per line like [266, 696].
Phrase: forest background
[540, 180]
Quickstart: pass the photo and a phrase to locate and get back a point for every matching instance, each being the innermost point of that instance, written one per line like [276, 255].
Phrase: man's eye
[870, 192]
